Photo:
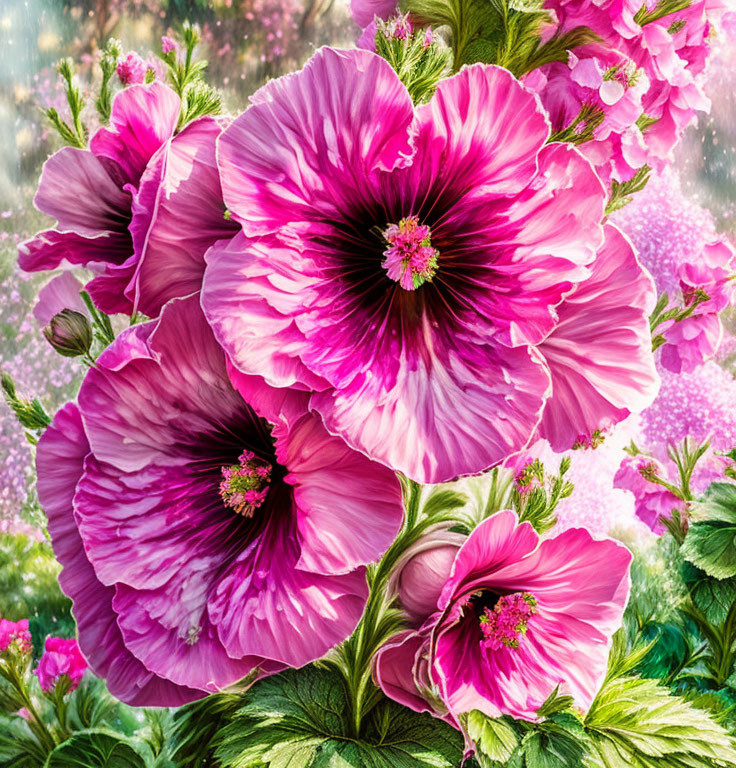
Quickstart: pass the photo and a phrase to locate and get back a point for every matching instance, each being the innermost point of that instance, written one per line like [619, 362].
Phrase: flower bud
[69, 333]
[423, 570]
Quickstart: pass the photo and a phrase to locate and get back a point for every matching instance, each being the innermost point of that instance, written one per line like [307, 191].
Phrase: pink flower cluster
[342, 286]
[15, 633]
[60, 657]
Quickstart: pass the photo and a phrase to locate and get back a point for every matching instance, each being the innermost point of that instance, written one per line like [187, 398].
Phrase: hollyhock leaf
[96, 749]
[493, 738]
[712, 597]
[299, 719]
[668, 652]
[638, 723]
[710, 543]
[558, 743]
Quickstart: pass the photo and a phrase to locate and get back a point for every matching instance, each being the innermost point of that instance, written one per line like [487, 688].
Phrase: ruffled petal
[59, 464]
[309, 139]
[76, 189]
[51, 249]
[599, 354]
[348, 507]
[142, 119]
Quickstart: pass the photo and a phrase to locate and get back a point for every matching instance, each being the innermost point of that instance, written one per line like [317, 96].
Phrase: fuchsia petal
[143, 118]
[61, 452]
[310, 136]
[598, 354]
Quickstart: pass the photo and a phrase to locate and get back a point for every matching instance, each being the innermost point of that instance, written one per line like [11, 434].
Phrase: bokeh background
[246, 42]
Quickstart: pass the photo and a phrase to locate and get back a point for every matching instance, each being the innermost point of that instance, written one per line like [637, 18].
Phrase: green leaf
[635, 723]
[559, 742]
[95, 749]
[195, 726]
[711, 541]
[668, 653]
[298, 719]
[494, 739]
[712, 597]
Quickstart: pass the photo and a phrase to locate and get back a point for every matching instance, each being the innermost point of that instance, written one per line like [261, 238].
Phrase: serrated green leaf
[668, 653]
[711, 540]
[636, 723]
[95, 749]
[493, 738]
[299, 719]
[556, 744]
[712, 597]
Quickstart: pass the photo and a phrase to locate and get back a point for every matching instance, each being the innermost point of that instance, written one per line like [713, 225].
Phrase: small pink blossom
[653, 501]
[60, 657]
[167, 44]
[15, 633]
[132, 69]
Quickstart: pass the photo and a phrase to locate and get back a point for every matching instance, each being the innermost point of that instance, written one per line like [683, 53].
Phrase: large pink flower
[200, 542]
[515, 619]
[138, 194]
[60, 657]
[402, 263]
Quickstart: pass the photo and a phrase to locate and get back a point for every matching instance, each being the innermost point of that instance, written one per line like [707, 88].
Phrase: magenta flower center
[504, 623]
[409, 258]
[245, 485]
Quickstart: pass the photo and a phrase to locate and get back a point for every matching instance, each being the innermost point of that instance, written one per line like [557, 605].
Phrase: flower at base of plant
[516, 618]
[440, 281]
[207, 537]
[60, 657]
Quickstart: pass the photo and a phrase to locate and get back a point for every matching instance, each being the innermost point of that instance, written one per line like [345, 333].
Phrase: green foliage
[582, 127]
[712, 597]
[419, 66]
[710, 543]
[195, 726]
[298, 719]
[621, 191]
[75, 134]
[495, 739]
[30, 413]
[537, 501]
[29, 588]
[108, 62]
[636, 723]
[668, 653]
[96, 749]
[645, 15]
[503, 32]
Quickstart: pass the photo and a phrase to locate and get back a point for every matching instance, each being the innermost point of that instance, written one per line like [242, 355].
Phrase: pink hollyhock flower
[168, 45]
[691, 342]
[652, 501]
[201, 543]
[132, 69]
[115, 203]
[15, 633]
[60, 657]
[407, 277]
[515, 618]
[364, 12]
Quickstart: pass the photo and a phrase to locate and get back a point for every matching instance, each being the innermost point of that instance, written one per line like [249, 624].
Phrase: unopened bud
[69, 332]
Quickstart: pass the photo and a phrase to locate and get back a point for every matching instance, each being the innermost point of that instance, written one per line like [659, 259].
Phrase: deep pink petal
[179, 213]
[310, 137]
[143, 118]
[331, 486]
[51, 249]
[60, 456]
[364, 11]
[284, 614]
[599, 354]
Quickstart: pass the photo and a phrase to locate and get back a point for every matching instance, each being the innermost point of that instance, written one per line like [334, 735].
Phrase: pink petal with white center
[599, 354]
[310, 137]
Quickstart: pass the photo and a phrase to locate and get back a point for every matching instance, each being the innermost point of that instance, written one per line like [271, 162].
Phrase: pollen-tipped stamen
[409, 259]
[508, 620]
[245, 485]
